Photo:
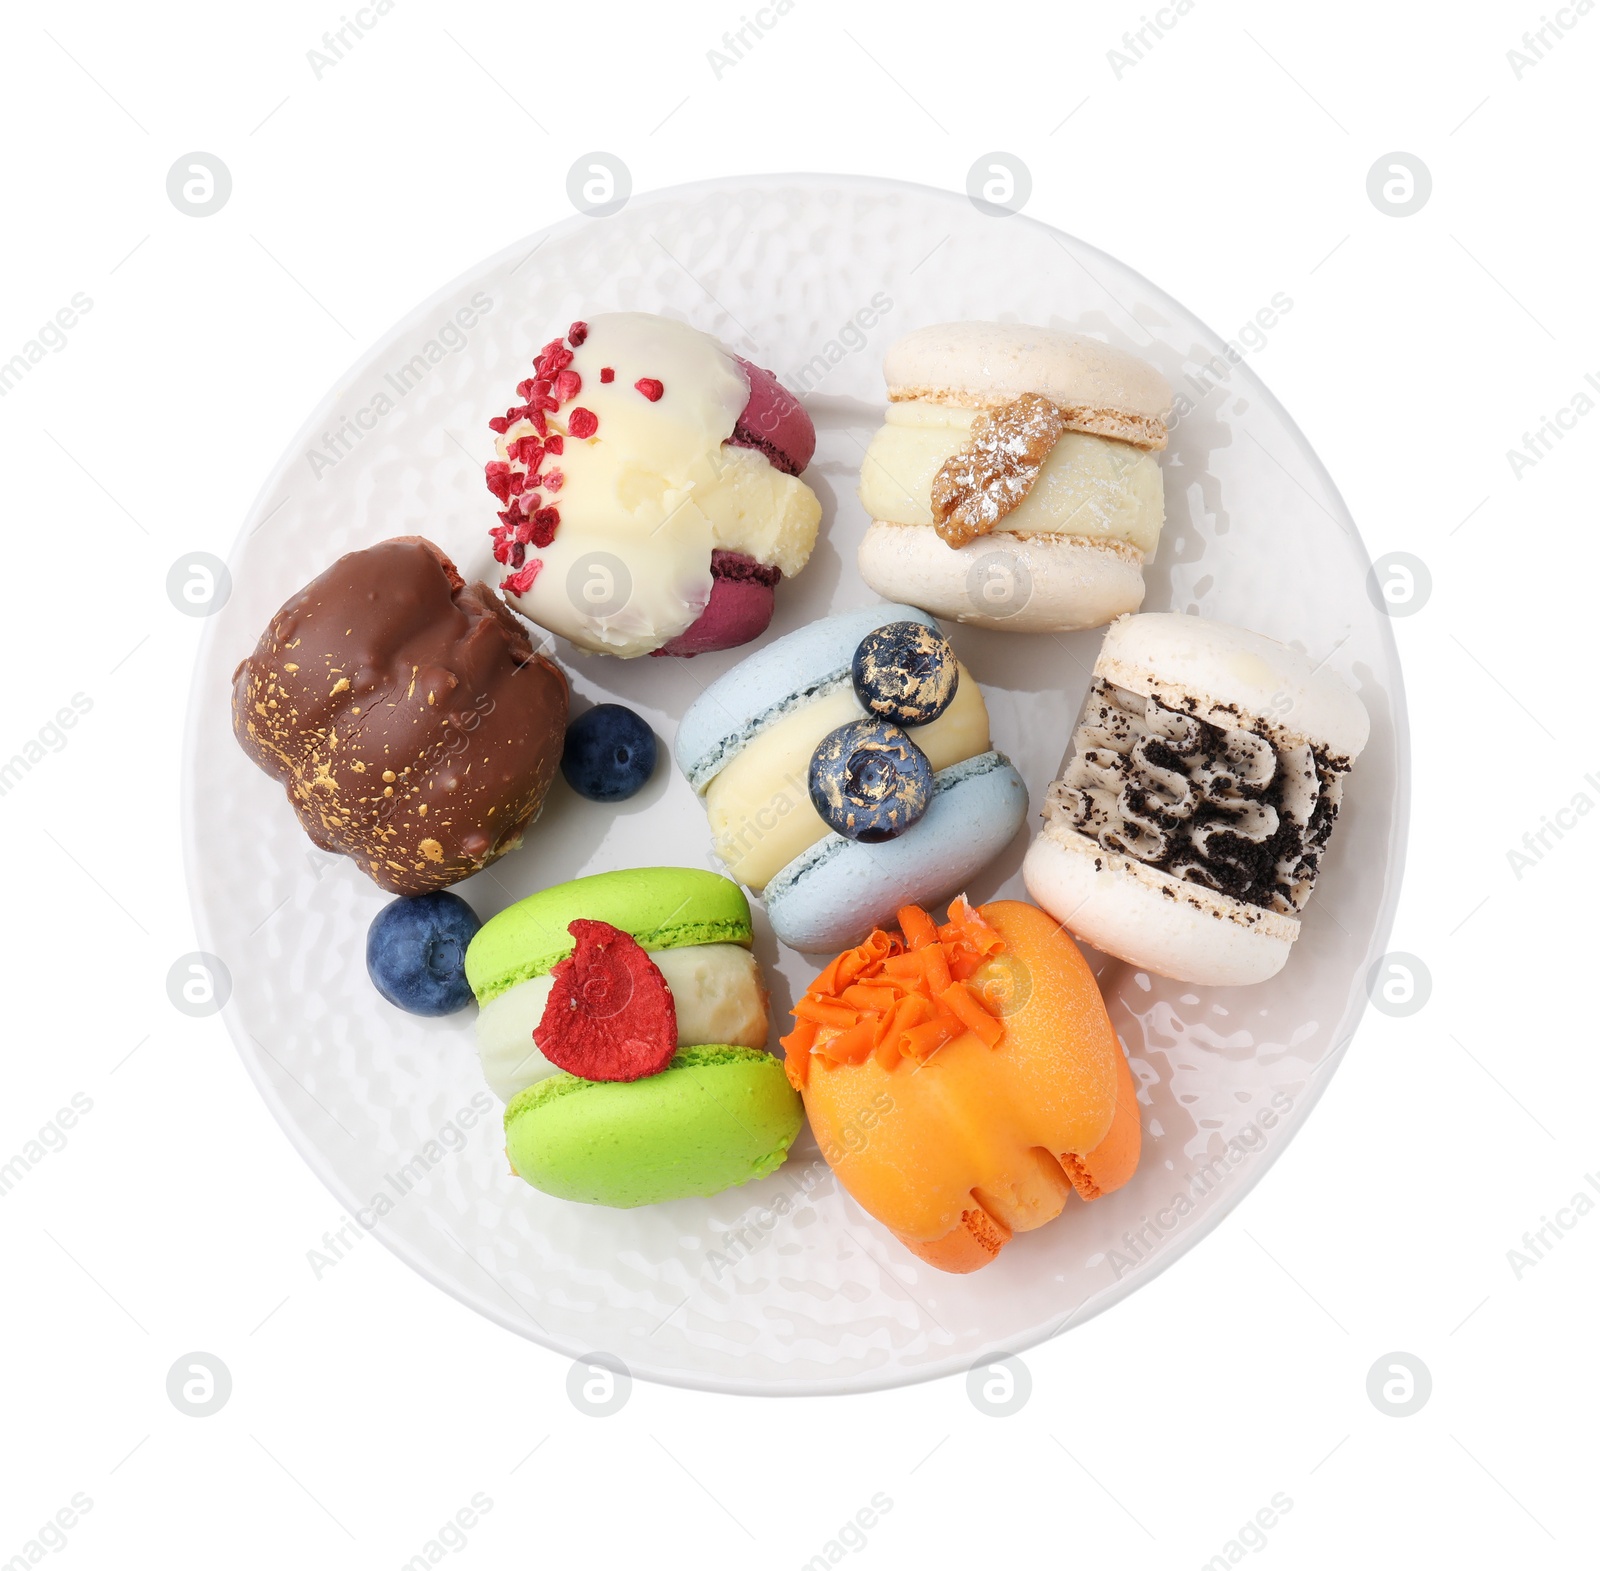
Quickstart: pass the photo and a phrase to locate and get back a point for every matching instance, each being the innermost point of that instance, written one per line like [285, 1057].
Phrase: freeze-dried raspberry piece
[583, 423]
[610, 1014]
[650, 387]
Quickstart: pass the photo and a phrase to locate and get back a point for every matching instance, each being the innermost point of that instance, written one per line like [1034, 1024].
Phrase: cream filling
[759, 805]
[761, 511]
[1227, 807]
[645, 499]
[716, 990]
[1090, 486]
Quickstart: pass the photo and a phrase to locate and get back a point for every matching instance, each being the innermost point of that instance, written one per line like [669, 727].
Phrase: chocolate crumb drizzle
[1229, 807]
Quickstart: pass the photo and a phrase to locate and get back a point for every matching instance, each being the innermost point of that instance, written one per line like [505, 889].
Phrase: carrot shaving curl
[897, 996]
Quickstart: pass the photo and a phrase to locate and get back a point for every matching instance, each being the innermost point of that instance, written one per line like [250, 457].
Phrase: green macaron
[714, 1118]
[661, 907]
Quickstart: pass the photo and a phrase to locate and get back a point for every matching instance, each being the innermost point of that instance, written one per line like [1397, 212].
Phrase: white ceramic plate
[786, 1285]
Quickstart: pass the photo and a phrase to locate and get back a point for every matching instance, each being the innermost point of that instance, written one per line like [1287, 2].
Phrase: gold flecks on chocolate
[402, 596]
[989, 477]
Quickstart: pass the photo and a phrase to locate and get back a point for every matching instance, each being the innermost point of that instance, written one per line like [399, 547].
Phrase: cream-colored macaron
[1188, 827]
[977, 365]
[1020, 456]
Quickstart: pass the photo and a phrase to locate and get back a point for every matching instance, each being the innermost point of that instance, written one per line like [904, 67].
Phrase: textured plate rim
[888, 1376]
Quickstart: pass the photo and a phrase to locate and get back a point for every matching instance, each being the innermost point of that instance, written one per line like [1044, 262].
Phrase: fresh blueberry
[870, 781]
[417, 951]
[905, 672]
[610, 753]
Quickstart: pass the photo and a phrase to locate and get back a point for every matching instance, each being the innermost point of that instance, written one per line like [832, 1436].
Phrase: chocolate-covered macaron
[407, 714]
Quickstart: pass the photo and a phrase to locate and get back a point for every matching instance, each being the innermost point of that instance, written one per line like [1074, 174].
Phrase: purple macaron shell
[740, 607]
[774, 423]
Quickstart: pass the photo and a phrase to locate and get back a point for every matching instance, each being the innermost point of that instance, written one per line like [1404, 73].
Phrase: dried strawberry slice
[610, 1014]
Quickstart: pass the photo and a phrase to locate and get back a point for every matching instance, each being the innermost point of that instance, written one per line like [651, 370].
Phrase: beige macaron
[1189, 825]
[978, 365]
[1013, 483]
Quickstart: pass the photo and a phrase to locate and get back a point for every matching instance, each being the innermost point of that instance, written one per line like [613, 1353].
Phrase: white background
[1228, 164]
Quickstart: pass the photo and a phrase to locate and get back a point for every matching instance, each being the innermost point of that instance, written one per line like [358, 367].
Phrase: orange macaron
[963, 1079]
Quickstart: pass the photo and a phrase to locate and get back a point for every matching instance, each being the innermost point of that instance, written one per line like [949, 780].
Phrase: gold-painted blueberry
[869, 781]
[905, 672]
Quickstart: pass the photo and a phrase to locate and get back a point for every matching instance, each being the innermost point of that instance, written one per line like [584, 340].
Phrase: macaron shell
[980, 1127]
[777, 677]
[740, 608]
[1109, 390]
[833, 895]
[715, 1118]
[774, 422]
[1015, 583]
[1224, 672]
[662, 907]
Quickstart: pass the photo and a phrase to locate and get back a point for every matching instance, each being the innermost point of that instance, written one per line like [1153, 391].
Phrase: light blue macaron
[777, 678]
[834, 893]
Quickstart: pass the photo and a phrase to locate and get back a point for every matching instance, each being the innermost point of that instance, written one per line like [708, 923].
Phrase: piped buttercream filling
[1234, 808]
